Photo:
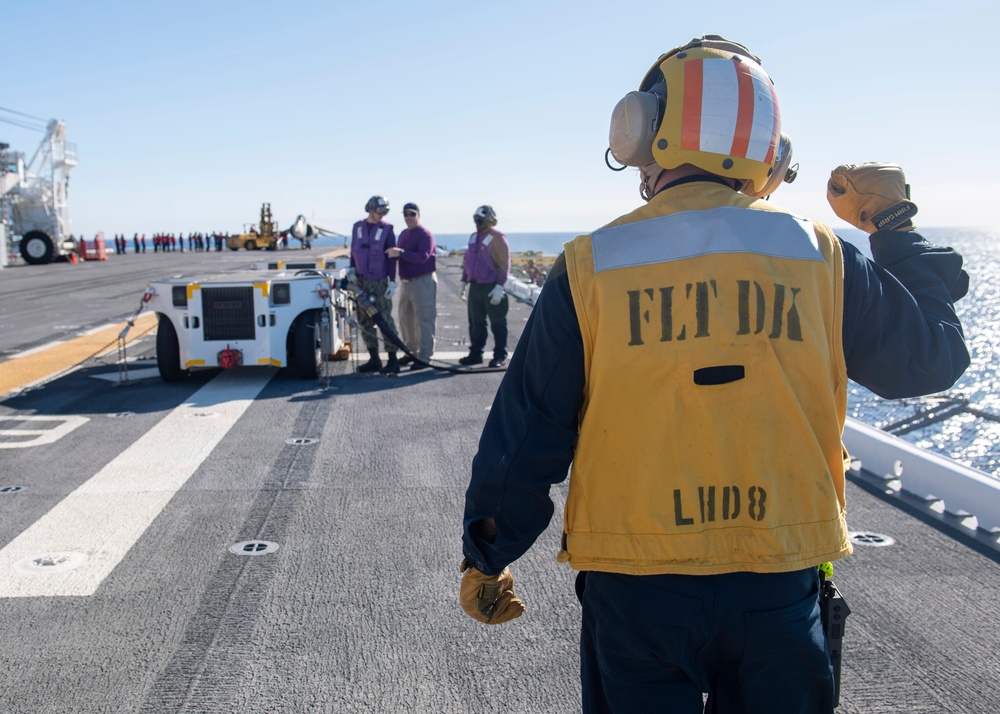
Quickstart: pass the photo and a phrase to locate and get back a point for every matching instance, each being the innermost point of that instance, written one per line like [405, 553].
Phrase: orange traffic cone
[72, 258]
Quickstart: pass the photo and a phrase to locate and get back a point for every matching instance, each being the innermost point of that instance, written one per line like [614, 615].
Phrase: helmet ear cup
[634, 123]
[783, 171]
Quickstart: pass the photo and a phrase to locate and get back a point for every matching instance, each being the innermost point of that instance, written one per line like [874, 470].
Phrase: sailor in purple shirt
[376, 275]
[418, 293]
[484, 273]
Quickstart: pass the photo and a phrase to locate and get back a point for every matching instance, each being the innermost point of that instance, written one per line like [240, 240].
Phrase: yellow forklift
[264, 235]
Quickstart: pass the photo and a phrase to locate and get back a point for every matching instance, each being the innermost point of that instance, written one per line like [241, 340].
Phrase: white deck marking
[107, 514]
[93, 330]
[36, 350]
[47, 435]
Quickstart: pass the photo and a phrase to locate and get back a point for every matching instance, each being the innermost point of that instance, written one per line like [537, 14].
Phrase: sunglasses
[410, 214]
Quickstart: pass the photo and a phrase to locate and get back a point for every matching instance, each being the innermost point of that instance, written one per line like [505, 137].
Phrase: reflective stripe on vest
[719, 230]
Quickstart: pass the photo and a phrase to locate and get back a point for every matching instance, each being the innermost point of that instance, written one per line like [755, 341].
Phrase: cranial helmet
[485, 215]
[710, 104]
[379, 204]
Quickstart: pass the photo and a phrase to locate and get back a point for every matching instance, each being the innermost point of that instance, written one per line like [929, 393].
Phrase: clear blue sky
[188, 115]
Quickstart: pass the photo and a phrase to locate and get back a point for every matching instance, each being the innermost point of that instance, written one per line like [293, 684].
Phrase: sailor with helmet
[687, 364]
[484, 273]
[376, 275]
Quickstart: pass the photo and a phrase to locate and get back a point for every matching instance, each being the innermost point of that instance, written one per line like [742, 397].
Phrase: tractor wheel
[306, 345]
[168, 351]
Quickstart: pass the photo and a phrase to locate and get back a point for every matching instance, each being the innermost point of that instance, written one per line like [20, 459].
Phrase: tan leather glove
[489, 598]
[873, 197]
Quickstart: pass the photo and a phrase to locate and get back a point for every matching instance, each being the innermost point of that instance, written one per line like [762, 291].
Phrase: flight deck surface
[352, 489]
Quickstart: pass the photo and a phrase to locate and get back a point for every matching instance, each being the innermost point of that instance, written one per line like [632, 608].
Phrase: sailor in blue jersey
[689, 361]
[375, 271]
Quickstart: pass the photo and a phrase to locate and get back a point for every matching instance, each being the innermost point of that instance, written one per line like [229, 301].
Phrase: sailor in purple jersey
[376, 275]
[484, 273]
[418, 293]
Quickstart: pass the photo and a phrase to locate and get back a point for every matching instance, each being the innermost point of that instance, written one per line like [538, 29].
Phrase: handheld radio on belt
[833, 611]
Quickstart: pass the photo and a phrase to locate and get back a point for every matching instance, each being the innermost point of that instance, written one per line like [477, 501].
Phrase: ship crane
[34, 192]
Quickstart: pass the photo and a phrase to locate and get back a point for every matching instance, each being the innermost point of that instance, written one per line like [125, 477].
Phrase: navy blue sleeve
[527, 442]
[902, 337]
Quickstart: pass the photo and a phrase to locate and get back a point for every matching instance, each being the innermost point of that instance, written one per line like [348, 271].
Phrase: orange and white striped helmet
[720, 112]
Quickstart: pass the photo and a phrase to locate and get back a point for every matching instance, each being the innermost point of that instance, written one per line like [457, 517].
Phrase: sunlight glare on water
[969, 439]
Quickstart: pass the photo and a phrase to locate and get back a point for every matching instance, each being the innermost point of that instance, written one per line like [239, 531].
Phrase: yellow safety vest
[716, 390]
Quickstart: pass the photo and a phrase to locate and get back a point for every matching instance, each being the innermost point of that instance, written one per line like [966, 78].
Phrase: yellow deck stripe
[22, 371]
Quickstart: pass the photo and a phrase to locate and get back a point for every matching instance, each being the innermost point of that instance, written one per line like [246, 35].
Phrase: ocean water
[969, 438]
[546, 243]
[971, 435]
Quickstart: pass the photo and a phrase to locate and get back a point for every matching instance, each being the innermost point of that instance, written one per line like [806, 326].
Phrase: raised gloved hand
[496, 294]
[464, 295]
[873, 197]
[390, 290]
[489, 598]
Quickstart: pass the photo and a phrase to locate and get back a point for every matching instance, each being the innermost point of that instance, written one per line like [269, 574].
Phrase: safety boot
[374, 363]
[472, 358]
[392, 366]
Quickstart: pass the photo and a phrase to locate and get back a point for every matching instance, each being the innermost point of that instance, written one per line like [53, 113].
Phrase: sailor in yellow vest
[690, 360]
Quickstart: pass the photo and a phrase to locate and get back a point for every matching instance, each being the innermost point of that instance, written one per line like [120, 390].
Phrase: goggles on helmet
[485, 214]
[379, 204]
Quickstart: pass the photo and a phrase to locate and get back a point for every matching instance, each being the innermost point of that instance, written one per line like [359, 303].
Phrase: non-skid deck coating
[357, 609]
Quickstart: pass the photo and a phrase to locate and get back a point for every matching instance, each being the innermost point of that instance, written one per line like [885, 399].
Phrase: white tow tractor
[294, 318]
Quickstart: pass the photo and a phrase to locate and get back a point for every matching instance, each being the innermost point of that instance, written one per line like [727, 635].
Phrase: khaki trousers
[418, 313]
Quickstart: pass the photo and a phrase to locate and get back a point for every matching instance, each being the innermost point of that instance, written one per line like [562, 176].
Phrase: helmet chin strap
[649, 174]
